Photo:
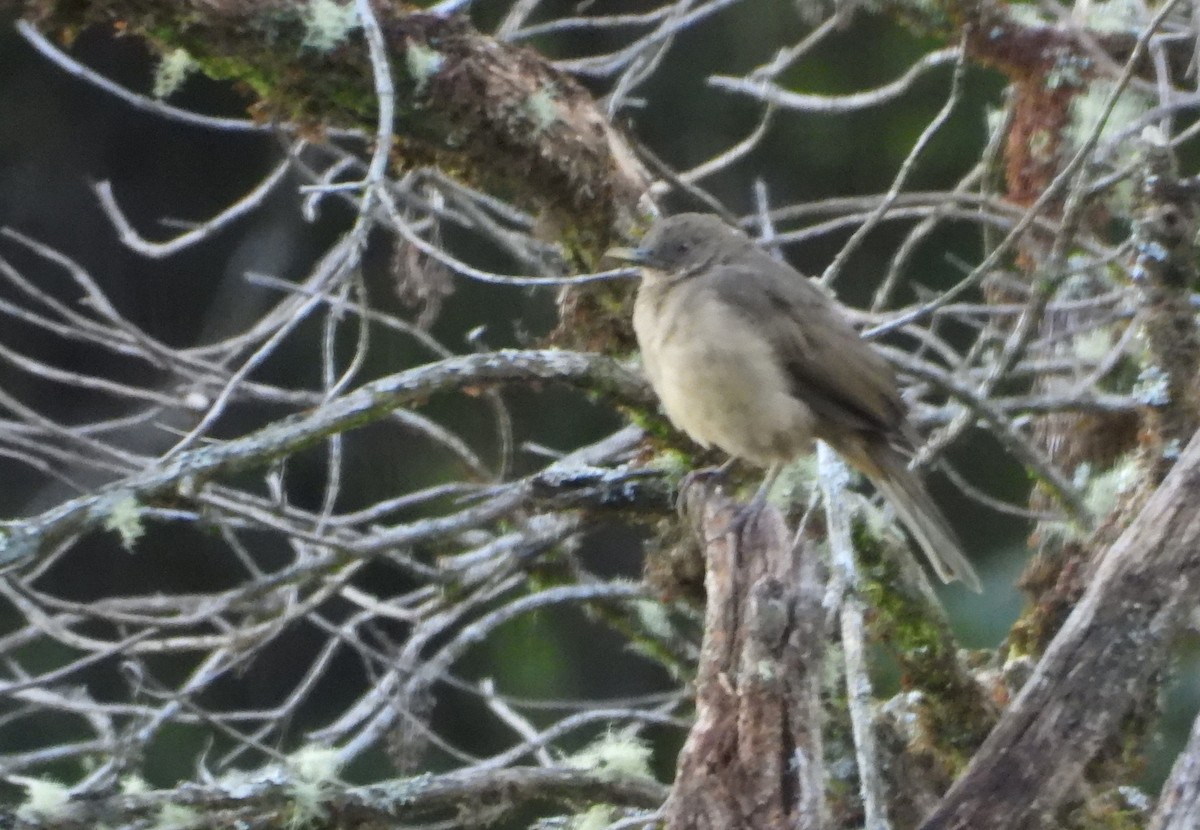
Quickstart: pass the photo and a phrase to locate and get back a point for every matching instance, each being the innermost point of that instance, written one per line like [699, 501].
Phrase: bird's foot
[702, 476]
[747, 516]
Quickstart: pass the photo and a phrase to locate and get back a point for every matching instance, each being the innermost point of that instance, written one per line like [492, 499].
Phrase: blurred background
[59, 134]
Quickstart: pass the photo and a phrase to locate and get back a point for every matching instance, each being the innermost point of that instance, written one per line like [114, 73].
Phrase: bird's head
[682, 243]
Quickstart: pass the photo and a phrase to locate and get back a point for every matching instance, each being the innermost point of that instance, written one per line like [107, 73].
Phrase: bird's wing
[848, 384]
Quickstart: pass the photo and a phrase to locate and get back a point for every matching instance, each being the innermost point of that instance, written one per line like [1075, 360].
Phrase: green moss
[659, 429]
[622, 753]
[542, 109]
[1121, 808]
[171, 72]
[955, 716]
[477, 109]
[125, 519]
[45, 798]
[422, 63]
[842, 790]
[175, 817]
[327, 23]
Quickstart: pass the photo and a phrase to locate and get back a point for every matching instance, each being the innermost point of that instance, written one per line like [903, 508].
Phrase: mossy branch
[184, 473]
[270, 800]
[495, 115]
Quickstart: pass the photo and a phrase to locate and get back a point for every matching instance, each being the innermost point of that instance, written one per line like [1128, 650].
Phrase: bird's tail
[888, 470]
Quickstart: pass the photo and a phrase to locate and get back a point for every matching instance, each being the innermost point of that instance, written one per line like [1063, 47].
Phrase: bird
[748, 355]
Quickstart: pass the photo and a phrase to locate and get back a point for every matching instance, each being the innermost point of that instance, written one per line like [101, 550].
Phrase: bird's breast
[717, 375]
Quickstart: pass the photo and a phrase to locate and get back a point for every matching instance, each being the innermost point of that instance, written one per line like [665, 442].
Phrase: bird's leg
[764, 489]
[748, 512]
[699, 475]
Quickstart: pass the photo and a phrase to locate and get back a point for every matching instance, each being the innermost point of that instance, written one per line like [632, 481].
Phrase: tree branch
[755, 756]
[284, 799]
[500, 115]
[183, 473]
[1111, 646]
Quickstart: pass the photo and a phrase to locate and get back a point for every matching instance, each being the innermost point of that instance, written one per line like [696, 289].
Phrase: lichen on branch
[498, 116]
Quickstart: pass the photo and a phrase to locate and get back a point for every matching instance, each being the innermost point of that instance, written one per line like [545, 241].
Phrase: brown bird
[748, 355]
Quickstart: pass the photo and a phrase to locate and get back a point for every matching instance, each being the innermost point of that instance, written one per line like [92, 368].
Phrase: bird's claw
[746, 516]
[693, 479]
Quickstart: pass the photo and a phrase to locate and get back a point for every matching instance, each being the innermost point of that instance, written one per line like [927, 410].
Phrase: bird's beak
[623, 254]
